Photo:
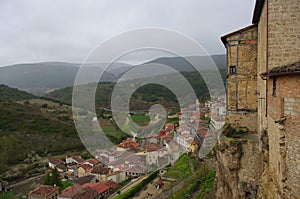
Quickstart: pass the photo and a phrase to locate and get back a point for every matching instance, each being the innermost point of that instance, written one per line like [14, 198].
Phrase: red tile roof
[129, 143]
[86, 167]
[166, 137]
[86, 193]
[152, 147]
[56, 161]
[71, 191]
[78, 159]
[100, 170]
[111, 184]
[169, 125]
[79, 192]
[93, 161]
[100, 187]
[43, 190]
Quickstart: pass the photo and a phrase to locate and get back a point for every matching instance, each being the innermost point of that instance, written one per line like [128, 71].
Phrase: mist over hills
[182, 65]
[44, 77]
[39, 78]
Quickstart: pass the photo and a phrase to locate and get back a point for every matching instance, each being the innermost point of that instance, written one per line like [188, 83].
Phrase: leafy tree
[8, 147]
[53, 178]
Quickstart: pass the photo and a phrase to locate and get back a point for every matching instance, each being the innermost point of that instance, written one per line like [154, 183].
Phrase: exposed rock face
[234, 178]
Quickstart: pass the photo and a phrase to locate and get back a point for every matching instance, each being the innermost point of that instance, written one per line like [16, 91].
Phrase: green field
[114, 134]
[7, 195]
[144, 120]
[181, 169]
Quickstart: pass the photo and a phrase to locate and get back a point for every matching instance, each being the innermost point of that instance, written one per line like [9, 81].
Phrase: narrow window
[274, 86]
[232, 70]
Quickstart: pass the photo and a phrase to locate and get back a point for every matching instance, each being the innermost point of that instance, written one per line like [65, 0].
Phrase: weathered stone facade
[277, 95]
[241, 47]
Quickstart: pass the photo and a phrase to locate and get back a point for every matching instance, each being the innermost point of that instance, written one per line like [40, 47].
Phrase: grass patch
[172, 120]
[207, 185]
[7, 195]
[115, 135]
[64, 185]
[190, 186]
[181, 169]
[141, 120]
[137, 118]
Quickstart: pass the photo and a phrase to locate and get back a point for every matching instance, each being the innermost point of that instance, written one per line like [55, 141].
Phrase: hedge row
[137, 188]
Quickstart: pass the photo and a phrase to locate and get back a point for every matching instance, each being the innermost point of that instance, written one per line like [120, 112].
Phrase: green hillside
[13, 94]
[143, 97]
[31, 124]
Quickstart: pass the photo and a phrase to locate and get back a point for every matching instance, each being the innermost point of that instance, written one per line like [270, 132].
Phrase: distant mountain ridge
[39, 78]
[182, 65]
[44, 77]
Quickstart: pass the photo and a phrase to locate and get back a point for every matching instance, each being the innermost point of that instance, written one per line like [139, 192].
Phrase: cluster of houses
[90, 179]
[97, 177]
[86, 187]
[217, 112]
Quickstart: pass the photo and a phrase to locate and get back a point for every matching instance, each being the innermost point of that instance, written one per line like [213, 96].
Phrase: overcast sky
[67, 30]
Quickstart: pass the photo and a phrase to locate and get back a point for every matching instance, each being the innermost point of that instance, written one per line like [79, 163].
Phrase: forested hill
[35, 125]
[29, 123]
[13, 94]
[143, 97]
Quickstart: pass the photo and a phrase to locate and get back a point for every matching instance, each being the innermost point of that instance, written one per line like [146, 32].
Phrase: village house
[84, 179]
[72, 169]
[78, 192]
[100, 172]
[135, 171]
[103, 156]
[132, 165]
[84, 169]
[185, 140]
[128, 145]
[61, 168]
[169, 128]
[116, 176]
[100, 188]
[153, 156]
[43, 192]
[54, 162]
[111, 184]
[103, 188]
[92, 162]
[74, 159]
[173, 150]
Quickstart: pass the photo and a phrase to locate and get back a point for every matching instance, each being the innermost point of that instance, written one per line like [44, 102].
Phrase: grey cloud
[67, 30]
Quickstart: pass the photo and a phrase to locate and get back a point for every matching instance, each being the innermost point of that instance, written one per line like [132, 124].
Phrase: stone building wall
[284, 29]
[242, 84]
[284, 135]
[242, 120]
[261, 67]
[277, 46]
